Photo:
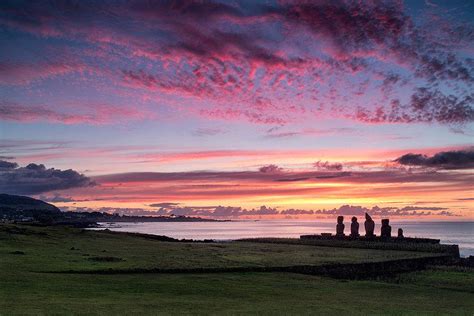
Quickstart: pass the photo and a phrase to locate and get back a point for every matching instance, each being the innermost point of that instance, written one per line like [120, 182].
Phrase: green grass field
[27, 253]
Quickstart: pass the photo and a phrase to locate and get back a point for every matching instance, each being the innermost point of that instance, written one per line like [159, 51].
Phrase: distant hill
[25, 209]
[25, 205]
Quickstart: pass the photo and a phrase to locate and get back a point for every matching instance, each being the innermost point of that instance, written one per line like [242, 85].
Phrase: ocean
[459, 233]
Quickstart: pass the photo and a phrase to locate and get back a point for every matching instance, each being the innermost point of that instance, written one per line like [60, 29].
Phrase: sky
[240, 109]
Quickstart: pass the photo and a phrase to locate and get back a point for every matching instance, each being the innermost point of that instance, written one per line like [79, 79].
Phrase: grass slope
[24, 290]
[64, 249]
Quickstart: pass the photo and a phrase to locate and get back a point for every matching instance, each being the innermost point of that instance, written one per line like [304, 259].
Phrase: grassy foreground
[27, 253]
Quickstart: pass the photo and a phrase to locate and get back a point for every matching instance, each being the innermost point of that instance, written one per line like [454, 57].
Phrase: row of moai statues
[385, 230]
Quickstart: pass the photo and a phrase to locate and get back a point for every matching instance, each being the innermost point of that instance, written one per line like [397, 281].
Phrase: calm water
[460, 233]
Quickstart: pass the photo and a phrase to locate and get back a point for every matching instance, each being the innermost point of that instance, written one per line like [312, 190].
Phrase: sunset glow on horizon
[219, 109]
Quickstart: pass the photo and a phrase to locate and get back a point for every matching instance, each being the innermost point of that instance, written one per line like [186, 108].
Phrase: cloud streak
[95, 114]
[285, 185]
[22, 73]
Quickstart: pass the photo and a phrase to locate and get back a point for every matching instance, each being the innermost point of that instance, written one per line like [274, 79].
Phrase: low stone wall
[381, 244]
[374, 239]
[368, 270]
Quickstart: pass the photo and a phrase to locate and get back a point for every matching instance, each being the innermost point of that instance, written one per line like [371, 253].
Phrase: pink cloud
[23, 73]
[232, 58]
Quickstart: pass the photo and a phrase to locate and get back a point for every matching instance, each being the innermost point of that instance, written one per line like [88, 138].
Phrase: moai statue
[369, 226]
[340, 226]
[354, 228]
[400, 233]
[386, 229]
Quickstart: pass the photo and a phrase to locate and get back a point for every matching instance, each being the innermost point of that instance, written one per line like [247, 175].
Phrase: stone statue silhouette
[340, 226]
[354, 228]
[400, 233]
[386, 229]
[369, 226]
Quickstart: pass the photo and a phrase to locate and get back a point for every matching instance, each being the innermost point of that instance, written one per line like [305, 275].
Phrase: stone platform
[328, 236]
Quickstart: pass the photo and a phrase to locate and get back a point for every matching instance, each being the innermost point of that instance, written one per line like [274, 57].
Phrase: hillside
[25, 203]
[26, 209]
[15, 207]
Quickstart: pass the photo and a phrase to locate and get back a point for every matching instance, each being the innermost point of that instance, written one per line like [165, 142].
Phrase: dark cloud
[270, 169]
[389, 81]
[426, 105]
[431, 105]
[374, 24]
[8, 165]
[326, 165]
[443, 68]
[35, 179]
[462, 159]
[200, 10]
[333, 175]
[384, 25]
